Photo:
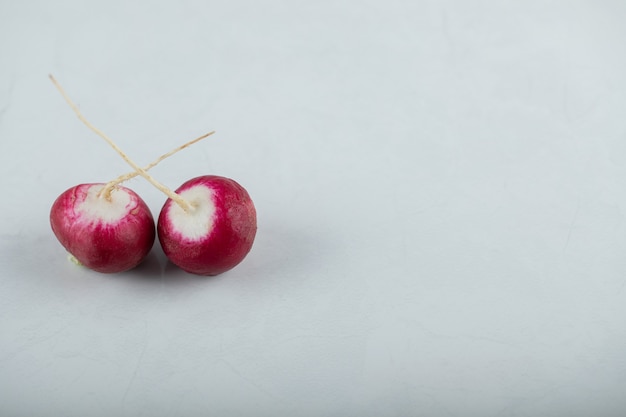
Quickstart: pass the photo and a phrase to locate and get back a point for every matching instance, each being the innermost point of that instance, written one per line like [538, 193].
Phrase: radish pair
[206, 227]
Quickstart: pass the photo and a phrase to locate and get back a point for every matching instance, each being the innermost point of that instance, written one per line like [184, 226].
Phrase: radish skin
[217, 232]
[107, 235]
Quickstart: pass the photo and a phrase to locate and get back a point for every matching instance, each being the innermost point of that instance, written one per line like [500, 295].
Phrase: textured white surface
[440, 186]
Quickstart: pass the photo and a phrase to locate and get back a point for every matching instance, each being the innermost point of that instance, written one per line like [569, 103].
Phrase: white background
[440, 186]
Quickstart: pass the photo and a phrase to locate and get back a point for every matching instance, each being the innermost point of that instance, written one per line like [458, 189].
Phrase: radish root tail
[140, 171]
[110, 186]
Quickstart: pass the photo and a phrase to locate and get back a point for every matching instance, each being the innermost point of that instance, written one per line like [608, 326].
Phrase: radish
[106, 234]
[207, 226]
[105, 227]
[216, 229]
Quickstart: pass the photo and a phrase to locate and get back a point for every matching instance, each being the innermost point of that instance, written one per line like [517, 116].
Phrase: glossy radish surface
[215, 233]
[104, 234]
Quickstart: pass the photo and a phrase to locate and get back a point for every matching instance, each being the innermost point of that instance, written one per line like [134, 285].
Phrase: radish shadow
[150, 269]
[43, 255]
[279, 252]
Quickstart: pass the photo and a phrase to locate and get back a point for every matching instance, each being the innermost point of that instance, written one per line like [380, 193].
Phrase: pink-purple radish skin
[108, 234]
[215, 232]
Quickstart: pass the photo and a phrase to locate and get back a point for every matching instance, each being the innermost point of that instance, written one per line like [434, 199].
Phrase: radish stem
[108, 188]
[175, 197]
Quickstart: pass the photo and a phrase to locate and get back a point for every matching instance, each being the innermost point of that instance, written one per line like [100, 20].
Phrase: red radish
[212, 225]
[106, 234]
[106, 227]
[215, 232]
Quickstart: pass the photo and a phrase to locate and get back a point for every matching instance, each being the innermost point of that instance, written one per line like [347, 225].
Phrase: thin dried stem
[178, 199]
[108, 188]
